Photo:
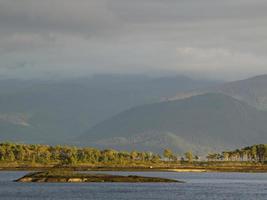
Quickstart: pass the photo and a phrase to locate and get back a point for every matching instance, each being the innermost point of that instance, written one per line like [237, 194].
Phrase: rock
[74, 177]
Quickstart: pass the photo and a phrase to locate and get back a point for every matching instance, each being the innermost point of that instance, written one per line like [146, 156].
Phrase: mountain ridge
[57, 110]
[203, 122]
[252, 90]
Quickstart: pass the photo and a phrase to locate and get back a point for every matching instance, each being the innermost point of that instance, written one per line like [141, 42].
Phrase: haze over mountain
[47, 47]
[55, 111]
[201, 123]
[252, 90]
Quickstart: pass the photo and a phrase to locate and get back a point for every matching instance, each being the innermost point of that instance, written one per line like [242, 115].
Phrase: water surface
[198, 186]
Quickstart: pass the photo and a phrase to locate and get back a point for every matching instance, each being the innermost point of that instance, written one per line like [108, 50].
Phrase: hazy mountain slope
[252, 90]
[210, 121]
[58, 110]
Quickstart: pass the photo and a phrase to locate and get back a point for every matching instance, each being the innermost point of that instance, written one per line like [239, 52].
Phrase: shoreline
[181, 169]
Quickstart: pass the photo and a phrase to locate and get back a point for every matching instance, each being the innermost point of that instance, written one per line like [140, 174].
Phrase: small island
[75, 177]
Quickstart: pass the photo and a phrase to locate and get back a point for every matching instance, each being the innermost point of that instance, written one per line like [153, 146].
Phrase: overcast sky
[223, 39]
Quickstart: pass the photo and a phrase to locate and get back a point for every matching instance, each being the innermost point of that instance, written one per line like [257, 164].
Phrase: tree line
[64, 155]
[255, 153]
[70, 155]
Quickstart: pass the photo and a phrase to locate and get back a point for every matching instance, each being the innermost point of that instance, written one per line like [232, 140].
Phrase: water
[198, 186]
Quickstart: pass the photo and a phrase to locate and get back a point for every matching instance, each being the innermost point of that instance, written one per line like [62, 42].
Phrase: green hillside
[201, 123]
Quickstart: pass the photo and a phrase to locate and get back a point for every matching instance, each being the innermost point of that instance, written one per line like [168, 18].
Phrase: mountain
[209, 122]
[252, 90]
[53, 111]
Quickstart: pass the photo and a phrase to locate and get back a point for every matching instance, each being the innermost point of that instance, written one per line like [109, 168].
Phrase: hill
[252, 90]
[54, 111]
[210, 122]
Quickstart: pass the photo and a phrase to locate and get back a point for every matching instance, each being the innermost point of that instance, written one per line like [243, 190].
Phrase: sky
[212, 39]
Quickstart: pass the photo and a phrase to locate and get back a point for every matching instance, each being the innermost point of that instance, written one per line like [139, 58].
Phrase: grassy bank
[162, 166]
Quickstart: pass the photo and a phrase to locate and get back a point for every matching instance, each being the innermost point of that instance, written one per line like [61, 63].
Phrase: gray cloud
[223, 39]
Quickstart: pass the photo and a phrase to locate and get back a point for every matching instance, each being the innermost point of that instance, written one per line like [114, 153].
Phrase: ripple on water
[198, 186]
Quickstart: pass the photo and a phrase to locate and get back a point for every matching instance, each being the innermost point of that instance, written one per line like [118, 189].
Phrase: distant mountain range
[136, 112]
[59, 110]
[200, 123]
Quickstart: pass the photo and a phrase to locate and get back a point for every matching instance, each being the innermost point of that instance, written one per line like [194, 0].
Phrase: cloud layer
[210, 38]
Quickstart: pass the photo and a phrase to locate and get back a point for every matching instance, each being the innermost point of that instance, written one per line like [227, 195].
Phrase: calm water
[203, 186]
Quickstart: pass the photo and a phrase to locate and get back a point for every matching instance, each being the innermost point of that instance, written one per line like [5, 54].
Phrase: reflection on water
[199, 186]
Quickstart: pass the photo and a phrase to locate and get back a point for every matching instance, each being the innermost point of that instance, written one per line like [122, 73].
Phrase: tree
[134, 155]
[155, 158]
[189, 156]
[213, 156]
[2, 153]
[19, 153]
[265, 153]
[261, 152]
[10, 156]
[168, 154]
[225, 156]
[109, 155]
[254, 152]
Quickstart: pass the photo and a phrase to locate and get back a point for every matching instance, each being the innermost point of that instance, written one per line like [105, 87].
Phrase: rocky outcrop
[74, 177]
